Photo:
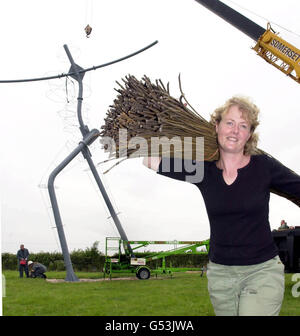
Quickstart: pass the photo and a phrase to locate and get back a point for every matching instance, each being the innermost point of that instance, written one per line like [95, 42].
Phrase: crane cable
[88, 17]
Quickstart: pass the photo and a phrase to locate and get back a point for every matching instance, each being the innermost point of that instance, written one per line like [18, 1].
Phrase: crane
[272, 48]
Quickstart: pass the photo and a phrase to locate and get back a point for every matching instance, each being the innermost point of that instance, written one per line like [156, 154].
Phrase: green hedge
[91, 259]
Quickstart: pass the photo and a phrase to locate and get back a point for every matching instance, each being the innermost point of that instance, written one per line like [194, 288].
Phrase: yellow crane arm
[269, 45]
[278, 52]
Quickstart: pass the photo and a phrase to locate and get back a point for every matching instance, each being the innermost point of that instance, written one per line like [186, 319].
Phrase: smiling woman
[233, 131]
[246, 114]
[235, 123]
[245, 275]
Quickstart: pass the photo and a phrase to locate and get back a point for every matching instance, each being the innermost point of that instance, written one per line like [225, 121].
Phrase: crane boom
[233, 17]
[272, 48]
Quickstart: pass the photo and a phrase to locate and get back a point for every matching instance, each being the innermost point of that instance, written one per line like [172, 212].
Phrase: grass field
[185, 294]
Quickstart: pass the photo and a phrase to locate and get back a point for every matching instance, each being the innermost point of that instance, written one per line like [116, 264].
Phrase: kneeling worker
[36, 269]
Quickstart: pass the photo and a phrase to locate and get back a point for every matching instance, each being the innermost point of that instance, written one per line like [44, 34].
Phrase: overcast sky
[39, 128]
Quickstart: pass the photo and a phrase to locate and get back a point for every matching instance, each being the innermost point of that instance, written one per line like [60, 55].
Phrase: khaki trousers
[252, 290]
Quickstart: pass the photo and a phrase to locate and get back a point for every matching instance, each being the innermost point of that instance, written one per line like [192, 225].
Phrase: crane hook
[88, 30]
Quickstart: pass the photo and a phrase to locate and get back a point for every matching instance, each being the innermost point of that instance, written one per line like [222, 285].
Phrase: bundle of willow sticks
[145, 111]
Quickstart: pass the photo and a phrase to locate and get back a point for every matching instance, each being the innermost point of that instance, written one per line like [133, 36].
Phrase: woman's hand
[152, 162]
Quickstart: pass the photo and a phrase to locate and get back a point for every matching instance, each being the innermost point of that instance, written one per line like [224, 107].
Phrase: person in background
[37, 269]
[23, 255]
[203, 270]
[283, 225]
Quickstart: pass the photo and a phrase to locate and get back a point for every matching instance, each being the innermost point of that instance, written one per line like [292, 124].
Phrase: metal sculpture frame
[88, 137]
